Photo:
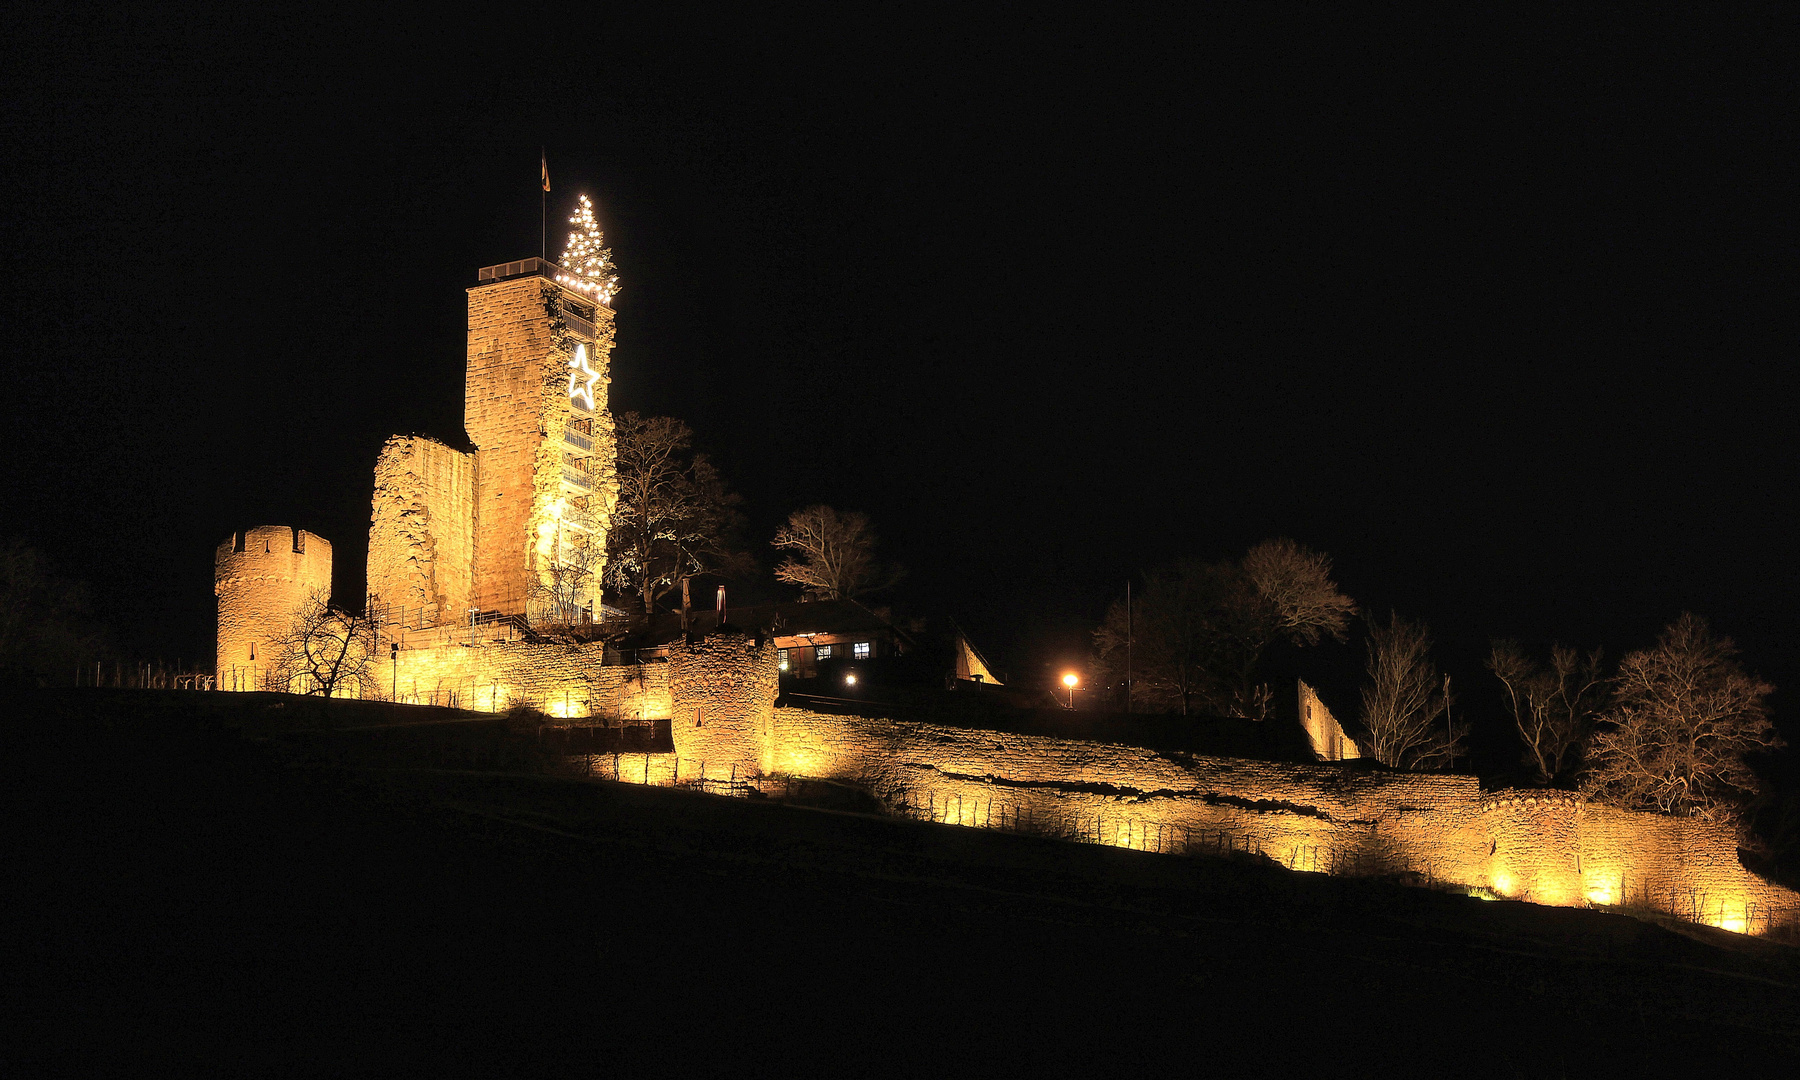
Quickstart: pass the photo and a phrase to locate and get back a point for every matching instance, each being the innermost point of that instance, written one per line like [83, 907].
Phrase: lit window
[781, 659]
[824, 652]
[860, 650]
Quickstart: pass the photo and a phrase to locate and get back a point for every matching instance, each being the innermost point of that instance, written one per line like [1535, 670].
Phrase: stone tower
[722, 691]
[535, 406]
[518, 527]
[1534, 839]
[262, 576]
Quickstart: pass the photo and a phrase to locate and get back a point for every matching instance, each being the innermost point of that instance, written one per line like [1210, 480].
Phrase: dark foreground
[180, 894]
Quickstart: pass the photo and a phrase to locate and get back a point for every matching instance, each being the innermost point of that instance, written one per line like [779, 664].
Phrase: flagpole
[543, 227]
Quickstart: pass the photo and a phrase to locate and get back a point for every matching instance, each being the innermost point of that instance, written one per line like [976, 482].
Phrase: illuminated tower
[535, 407]
[262, 577]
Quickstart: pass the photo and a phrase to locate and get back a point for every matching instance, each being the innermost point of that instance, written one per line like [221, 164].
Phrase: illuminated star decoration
[578, 367]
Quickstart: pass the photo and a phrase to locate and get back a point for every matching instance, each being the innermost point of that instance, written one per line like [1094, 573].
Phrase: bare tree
[1173, 638]
[1554, 707]
[563, 590]
[1684, 715]
[326, 651]
[1404, 698]
[1293, 586]
[1200, 630]
[835, 554]
[674, 518]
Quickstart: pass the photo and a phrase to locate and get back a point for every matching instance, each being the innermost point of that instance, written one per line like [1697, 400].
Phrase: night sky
[1501, 315]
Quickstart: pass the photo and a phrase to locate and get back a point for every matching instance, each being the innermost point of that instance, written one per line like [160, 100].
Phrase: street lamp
[1069, 681]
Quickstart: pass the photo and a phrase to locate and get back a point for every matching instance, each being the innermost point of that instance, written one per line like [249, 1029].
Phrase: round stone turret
[262, 576]
[1535, 848]
[722, 704]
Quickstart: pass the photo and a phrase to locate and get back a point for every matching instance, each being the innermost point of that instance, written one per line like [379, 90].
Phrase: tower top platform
[543, 268]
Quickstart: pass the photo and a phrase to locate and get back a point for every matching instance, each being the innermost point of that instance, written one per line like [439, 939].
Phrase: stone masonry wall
[563, 680]
[1322, 729]
[1557, 848]
[421, 531]
[722, 692]
[566, 515]
[261, 578]
[1547, 847]
[1308, 817]
[510, 378]
[516, 409]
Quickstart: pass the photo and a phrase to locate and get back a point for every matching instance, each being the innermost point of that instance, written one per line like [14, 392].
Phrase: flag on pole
[544, 169]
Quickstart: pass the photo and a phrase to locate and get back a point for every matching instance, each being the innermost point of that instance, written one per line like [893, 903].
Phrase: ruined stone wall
[1329, 743]
[722, 692]
[1557, 848]
[261, 577]
[1309, 817]
[564, 680]
[1547, 847]
[524, 335]
[421, 531]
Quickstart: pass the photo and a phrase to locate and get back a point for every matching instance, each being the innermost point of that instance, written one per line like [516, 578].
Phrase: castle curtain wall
[563, 680]
[1548, 847]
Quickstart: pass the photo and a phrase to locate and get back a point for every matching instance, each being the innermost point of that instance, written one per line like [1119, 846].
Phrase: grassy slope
[179, 890]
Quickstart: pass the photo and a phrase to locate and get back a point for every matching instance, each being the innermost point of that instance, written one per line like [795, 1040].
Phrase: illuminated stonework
[544, 443]
[464, 546]
[422, 531]
[261, 577]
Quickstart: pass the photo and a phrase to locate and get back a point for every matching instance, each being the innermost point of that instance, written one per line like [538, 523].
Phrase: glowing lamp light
[850, 680]
[1070, 681]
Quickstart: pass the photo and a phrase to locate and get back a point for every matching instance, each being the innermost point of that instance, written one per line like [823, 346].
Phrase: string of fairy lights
[586, 259]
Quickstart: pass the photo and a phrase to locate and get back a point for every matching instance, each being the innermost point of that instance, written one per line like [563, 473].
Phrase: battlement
[270, 539]
[274, 551]
[262, 576]
[1514, 799]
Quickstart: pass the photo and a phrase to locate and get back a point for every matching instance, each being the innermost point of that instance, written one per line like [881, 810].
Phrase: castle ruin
[472, 551]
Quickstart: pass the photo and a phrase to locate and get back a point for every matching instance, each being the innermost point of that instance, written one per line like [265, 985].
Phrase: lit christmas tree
[586, 260]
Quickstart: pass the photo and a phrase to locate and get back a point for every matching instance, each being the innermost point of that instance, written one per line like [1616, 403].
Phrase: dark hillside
[183, 893]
